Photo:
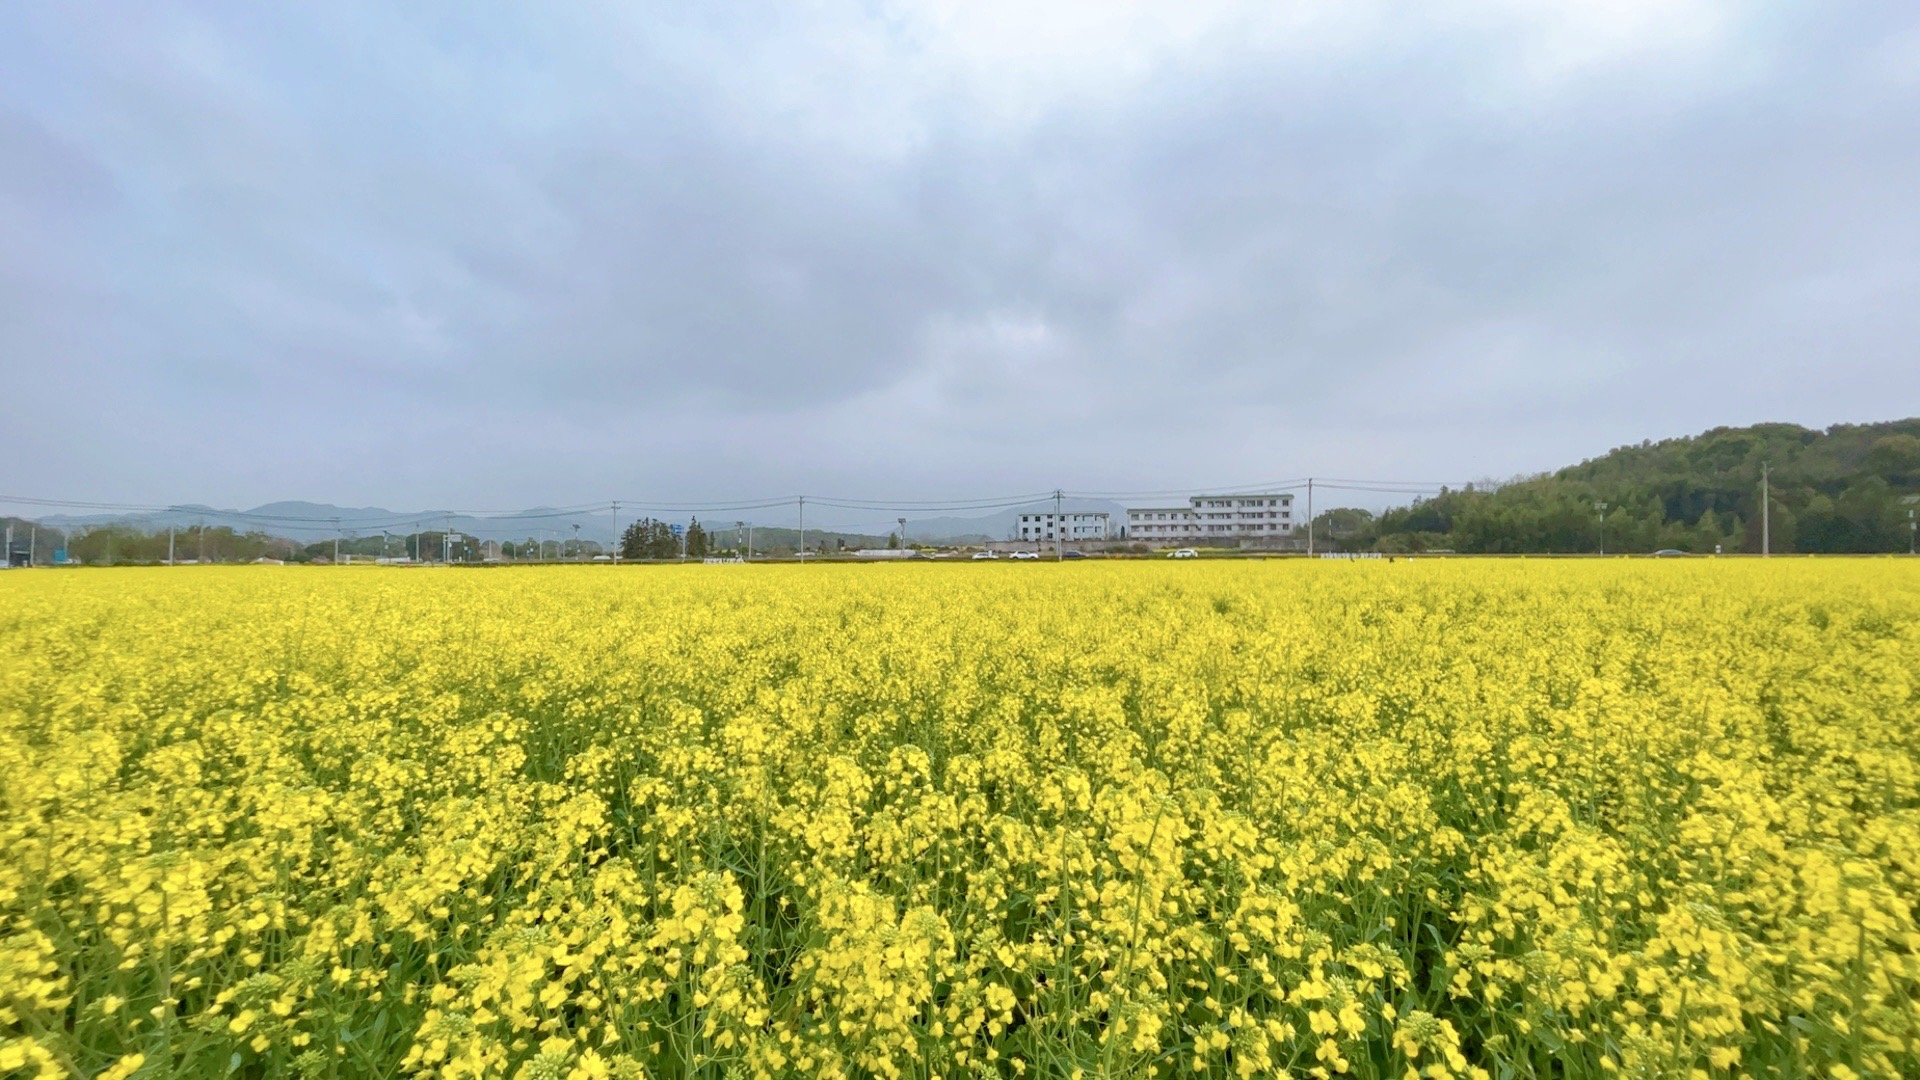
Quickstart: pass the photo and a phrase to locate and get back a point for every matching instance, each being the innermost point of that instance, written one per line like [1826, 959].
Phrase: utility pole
[336, 541]
[1602, 508]
[576, 540]
[6, 561]
[1059, 529]
[1309, 517]
[1766, 514]
[903, 533]
[1912, 526]
[616, 531]
[749, 541]
[169, 545]
[803, 528]
[33, 543]
[446, 542]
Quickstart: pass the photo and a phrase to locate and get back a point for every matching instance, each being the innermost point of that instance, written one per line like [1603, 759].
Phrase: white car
[985, 555]
[1183, 553]
[1026, 555]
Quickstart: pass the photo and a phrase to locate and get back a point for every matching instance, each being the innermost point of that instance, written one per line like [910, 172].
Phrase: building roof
[1064, 513]
[1195, 500]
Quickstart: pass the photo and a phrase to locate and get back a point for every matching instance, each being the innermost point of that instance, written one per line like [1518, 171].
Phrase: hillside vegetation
[1844, 489]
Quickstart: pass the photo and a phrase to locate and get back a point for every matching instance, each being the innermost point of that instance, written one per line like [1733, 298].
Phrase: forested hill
[1846, 489]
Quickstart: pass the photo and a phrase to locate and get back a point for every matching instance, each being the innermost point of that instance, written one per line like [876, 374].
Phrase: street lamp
[1601, 508]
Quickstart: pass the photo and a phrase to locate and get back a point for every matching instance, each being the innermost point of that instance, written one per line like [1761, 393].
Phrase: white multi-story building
[1267, 516]
[1071, 527]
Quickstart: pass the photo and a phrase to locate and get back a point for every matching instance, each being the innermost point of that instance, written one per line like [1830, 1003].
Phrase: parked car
[1668, 553]
[1073, 554]
[1024, 555]
[1183, 553]
[985, 555]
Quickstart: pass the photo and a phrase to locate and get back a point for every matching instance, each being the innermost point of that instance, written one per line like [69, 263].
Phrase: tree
[1896, 457]
[648, 539]
[633, 540]
[696, 540]
[1339, 527]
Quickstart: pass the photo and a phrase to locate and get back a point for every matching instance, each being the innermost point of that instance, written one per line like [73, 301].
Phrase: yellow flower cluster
[1411, 819]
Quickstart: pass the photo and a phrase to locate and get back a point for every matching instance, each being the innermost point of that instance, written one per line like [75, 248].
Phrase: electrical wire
[1232, 489]
[924, 508]
[705, 507]
[21, 500]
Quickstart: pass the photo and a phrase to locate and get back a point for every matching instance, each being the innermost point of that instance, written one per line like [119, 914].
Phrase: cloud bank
[434, 255]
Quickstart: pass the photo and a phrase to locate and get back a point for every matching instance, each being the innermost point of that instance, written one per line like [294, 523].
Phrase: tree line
[124, 544]
[650, 538]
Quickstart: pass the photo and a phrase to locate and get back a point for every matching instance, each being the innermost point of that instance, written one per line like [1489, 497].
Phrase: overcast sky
[502, 255]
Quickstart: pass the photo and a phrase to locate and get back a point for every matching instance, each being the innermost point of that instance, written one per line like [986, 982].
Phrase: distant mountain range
[308, 521]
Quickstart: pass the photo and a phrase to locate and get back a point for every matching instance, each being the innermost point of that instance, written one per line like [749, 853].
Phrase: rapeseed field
[1433, 818]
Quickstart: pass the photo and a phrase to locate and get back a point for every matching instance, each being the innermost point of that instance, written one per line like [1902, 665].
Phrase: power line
[1390, 483]
[1228, 489]
[908, 504]
[1383, 490]
[928, 507]
[21, 500]
[702, 507]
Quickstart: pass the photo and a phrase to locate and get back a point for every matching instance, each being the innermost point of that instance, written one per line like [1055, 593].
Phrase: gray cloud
[425, 255]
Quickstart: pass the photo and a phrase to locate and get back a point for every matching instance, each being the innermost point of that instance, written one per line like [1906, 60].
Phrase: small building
[1072, 527]
[1264, 516]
